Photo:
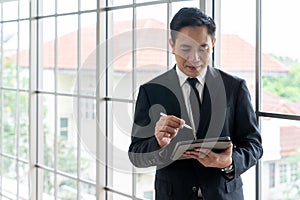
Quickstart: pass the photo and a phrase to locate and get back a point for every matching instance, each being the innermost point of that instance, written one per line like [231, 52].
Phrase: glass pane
[47, 184]
[47, 128]
[9, 177]
[24, 181]
[10, 10]
[48, 7]
[176, 6]
[237, 40]
[66, 136]
[114, 196]
[9, 136]
[66, 6]
[88, 39]
[281, 59]
[88, 4]
[120, 53]
[67, 188]
[87, 192]
[119, 137]
[87, 137]
[10, 48]
[281, 160]
[24, 125]
[88, 164]
[88, 56]
[145, 186]
[236, 43]
[142, 1]
[47, 55]
[67, 55]
[152, 42]
[119, 2]
[24, 8]
[24, 55]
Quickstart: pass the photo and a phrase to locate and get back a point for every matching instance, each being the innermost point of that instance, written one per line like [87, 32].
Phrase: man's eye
[203, 49]
[185, 50]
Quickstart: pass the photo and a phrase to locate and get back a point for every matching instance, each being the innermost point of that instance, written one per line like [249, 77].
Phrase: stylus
[185, 125]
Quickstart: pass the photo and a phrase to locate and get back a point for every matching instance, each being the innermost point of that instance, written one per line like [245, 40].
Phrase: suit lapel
[213, 104]
[213, 109]
[171, 81]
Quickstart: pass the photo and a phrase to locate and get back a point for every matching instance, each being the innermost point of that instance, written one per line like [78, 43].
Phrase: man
[224, 109]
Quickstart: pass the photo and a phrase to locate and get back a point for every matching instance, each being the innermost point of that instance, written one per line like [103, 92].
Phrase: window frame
[102, 98]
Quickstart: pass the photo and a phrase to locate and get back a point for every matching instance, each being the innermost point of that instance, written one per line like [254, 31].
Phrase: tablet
[215, 144]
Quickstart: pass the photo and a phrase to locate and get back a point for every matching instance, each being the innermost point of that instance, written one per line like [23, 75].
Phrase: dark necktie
[195, 102]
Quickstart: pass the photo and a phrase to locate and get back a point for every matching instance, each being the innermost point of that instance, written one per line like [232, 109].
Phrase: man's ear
[172, 45]
[214, 42]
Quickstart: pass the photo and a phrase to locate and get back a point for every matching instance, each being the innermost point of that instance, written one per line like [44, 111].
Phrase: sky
[280, 29]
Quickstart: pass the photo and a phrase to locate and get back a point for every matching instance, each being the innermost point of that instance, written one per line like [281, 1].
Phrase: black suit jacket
[226, 111]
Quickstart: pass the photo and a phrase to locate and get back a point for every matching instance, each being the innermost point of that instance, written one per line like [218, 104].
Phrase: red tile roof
[67, 49]
[237, 55]
[274, 103]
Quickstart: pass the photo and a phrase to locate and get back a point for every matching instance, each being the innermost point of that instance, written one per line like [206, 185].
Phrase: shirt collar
[182, 76]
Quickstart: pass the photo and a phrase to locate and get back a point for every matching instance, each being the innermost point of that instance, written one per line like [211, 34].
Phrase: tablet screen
[215, 144]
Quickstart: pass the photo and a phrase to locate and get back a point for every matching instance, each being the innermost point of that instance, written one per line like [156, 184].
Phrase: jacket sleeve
[144, 148]
[247, 139]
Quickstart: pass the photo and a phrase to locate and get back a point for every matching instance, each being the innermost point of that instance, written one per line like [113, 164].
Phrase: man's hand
[209, 158]
[167, 128]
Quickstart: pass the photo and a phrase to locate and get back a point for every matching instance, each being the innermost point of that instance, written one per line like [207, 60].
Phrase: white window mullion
[17, 114]
[101, 173]
[1, 95]
[33, 107]
[134, 24]
[78, 89]
[217, 48]
[56, 129]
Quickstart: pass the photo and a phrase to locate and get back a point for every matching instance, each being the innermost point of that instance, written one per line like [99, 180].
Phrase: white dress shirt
[186, 89]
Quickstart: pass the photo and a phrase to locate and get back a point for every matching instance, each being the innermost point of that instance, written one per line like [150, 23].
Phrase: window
[235, 53]
[148, 195]
[280, 96]
[272, 175]
[68, 87]
[282, 173]
[64, 127]
[294, 172]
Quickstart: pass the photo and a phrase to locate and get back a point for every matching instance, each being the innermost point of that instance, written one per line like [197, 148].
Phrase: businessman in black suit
[224, 109]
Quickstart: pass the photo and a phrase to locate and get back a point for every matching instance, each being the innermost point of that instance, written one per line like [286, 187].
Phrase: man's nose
[194, 56]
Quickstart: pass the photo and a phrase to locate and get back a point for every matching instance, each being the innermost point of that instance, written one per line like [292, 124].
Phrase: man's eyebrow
[189, 46]
[185, 46]
[204, 45]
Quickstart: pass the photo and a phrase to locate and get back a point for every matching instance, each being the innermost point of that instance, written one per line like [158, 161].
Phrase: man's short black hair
[191, 17]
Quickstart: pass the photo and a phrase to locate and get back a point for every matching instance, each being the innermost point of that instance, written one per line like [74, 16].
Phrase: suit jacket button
[194, 189]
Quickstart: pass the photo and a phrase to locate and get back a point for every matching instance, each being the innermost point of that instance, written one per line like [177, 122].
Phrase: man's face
[192, 49]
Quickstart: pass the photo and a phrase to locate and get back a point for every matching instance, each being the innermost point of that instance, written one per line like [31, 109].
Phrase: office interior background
[70, 72]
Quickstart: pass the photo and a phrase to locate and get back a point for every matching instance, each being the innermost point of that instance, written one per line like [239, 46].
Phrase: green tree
[14, 125]
[286, 86]
[15, 121]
